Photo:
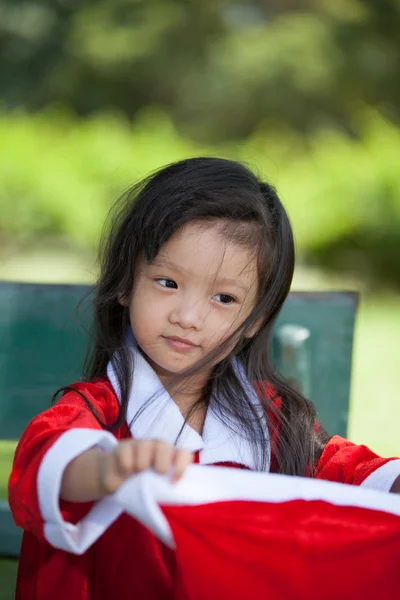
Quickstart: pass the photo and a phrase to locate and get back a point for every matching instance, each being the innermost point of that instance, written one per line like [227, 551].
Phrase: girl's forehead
[202, 251]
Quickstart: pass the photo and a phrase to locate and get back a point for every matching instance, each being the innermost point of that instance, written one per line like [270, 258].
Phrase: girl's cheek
[220, 334]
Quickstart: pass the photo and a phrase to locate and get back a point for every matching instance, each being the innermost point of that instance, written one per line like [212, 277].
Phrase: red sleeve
[341, 460]
[345, 462]
[70, 412]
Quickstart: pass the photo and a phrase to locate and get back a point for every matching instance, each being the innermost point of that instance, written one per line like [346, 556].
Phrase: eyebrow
[164, 262]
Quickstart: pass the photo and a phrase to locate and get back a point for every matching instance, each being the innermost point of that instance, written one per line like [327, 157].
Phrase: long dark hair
[249, 212]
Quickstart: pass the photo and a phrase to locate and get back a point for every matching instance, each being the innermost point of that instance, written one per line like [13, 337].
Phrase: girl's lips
[180, 343]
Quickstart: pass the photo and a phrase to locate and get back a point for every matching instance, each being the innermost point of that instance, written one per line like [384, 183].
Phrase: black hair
[248, 212]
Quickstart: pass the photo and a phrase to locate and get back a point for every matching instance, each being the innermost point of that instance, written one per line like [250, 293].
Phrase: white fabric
[58, 532]
[384, 477]
[141, 496]
[161, 419]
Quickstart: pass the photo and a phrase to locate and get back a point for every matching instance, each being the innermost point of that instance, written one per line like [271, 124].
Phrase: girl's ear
[254, 329]
[123, 301]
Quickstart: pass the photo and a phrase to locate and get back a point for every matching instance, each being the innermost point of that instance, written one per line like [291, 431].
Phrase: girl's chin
[166, 369]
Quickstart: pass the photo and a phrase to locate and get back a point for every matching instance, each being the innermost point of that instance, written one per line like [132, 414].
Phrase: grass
[6, 456]
[375, 402]
[8, 567]
[8, 574]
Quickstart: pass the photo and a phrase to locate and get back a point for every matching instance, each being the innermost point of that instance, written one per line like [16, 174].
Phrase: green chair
[42, 345]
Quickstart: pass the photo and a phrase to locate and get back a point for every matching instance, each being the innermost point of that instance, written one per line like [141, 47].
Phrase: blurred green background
[96, 94]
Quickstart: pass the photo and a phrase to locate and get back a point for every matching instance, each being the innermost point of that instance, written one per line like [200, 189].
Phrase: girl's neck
[186, 395]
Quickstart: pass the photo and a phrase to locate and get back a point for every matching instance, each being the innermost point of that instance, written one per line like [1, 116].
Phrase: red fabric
[345, 462]
[127, 561]
[291, 550]
[70, 411]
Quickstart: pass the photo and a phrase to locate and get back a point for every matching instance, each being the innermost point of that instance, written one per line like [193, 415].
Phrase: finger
[182, 459]
[164, 457]
[144, 454]
[125, 458]
[112, 474]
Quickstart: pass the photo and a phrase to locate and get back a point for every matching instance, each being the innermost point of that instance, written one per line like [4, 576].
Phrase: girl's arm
[65, 461]
[345, 462]
[81, 478]
[95, 473]
[51, 441]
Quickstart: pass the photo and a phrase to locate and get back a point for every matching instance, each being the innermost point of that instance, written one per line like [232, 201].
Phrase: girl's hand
[95, 473]
[134, 456]
[396, 486]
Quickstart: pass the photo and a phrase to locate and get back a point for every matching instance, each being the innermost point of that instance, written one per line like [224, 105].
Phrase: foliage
[344, 198]
[217, 67]
[60, 174]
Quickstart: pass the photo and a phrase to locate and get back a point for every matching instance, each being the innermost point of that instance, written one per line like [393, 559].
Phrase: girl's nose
[188, 315]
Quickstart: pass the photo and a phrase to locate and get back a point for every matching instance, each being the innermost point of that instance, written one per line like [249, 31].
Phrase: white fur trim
[142, 495]
[162, 419]
[383, 478]
[59, 533]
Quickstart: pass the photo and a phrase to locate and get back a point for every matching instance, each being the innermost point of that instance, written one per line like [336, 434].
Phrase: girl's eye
[224, 298]
[167, 283]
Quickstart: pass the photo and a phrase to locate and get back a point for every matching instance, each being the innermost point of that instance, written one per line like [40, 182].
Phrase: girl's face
[191, 297]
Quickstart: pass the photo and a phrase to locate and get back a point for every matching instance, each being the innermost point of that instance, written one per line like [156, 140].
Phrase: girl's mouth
[180, 343]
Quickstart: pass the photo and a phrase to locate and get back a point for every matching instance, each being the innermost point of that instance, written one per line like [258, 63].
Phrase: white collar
[161, 419]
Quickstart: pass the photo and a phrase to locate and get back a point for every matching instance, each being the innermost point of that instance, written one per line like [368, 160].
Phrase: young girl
[195, 268]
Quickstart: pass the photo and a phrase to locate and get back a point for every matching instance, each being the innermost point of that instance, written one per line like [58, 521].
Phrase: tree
[218, 68]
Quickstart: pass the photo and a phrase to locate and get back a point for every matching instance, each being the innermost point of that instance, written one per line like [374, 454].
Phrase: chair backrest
[43, 342]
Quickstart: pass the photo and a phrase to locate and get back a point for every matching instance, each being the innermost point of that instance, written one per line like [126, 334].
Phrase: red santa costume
[220, 532]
